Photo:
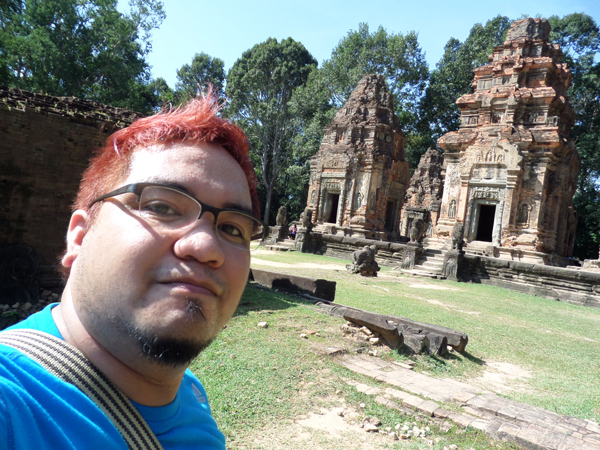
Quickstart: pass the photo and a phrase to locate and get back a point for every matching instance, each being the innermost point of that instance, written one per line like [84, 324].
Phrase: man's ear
[78, 228]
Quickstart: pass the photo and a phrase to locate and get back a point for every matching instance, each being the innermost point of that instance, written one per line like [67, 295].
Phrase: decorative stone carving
[363, 262]
[306, 218]
[416, 230]
[411, 255]
[457, 236]
[511, 174]
[424, 194]
[359, 175]
[452, 209]
[281, 219]
[453, 260]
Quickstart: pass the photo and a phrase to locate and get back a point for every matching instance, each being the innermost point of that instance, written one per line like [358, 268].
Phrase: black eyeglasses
[170, 208]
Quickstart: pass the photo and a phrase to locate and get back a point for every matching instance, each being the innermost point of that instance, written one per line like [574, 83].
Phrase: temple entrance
[389, 224]
[333, 201]
[485, 223]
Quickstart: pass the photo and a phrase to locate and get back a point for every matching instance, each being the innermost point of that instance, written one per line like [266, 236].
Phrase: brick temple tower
[511, 168]
[358, 178]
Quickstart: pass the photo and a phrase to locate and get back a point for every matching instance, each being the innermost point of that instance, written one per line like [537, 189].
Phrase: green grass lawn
[256, 377]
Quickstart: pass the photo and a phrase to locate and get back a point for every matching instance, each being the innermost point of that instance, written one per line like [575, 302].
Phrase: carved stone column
[412, 253]
[453, 264]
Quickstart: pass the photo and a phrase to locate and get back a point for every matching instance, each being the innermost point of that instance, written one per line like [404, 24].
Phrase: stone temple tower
[358, 178]
[511, 168]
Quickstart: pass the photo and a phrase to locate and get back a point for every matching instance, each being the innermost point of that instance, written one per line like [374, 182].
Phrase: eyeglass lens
[168, 208]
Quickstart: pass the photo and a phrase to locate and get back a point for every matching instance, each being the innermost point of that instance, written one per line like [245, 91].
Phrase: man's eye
[158, 209]
[231, 231]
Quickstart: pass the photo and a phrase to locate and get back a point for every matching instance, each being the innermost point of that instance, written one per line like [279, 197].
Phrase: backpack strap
[66, 362]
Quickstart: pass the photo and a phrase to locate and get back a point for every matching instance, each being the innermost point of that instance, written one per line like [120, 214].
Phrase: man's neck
[142, 381]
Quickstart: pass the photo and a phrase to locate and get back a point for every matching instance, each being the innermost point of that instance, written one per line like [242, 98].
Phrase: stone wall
[45, 144]
[574, 286]
[566, 285]
[339, 246]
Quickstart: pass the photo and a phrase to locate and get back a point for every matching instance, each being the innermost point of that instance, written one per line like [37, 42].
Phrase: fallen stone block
[387, 331]
[316, 287]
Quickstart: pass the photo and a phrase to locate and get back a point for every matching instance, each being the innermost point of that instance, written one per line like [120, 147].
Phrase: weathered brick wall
[45, 144]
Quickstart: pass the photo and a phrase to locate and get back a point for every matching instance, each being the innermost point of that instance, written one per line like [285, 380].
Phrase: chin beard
[169, 351]
[164, 351]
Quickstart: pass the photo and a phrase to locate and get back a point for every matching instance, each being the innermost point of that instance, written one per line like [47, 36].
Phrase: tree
[192, 77]
[453, 77]
[579, 38]
[82, 48]
[311, 109]
[397, 57]
[259, 87]
[315, 103]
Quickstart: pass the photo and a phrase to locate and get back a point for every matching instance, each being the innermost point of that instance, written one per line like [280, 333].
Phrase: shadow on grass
[442, 360]
[456, 356]
[257, 298]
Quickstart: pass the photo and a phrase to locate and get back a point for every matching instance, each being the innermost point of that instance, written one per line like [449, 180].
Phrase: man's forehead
[195, 168]
[181, 156]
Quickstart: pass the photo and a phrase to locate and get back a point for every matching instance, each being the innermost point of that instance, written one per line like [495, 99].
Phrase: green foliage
[579, 38]
[161, 91]
[82, 48]
[311, 110]
[260, 86]
[397, 57]
[192, 78]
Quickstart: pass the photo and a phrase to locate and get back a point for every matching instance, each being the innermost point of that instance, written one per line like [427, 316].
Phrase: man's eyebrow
[239, 208]
[228, 205]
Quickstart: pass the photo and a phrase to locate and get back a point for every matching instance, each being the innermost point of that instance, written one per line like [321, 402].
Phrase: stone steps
[282, 246]
[429, 265]
[435, 243]
[478, 248]
[423, 273]
[527, 426]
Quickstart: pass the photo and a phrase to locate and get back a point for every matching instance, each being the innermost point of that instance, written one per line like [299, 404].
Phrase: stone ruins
[498, 200]
[359, 175]
[424, 195]
[511, 168]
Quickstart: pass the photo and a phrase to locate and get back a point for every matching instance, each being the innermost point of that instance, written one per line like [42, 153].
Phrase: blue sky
[225, 29]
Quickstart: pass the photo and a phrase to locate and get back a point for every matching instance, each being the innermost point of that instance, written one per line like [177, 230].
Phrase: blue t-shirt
[40, 411]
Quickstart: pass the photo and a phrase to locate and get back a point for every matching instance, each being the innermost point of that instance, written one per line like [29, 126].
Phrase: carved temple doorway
[332, 201]
[390, 216]
[485, 222]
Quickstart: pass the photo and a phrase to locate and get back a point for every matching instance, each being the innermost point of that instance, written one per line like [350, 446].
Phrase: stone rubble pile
[362, 334]
[19, 311]
[405, 431]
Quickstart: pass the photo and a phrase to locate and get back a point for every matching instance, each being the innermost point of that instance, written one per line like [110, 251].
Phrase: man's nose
[201, 242]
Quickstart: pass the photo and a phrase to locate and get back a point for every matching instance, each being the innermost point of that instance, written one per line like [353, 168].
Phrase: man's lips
[192, 287]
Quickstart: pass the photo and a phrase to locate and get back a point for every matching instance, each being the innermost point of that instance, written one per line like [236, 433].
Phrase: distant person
[157, 259]
[293, 231]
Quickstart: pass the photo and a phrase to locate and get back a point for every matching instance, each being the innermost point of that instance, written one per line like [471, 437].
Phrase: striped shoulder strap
[69, 364]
